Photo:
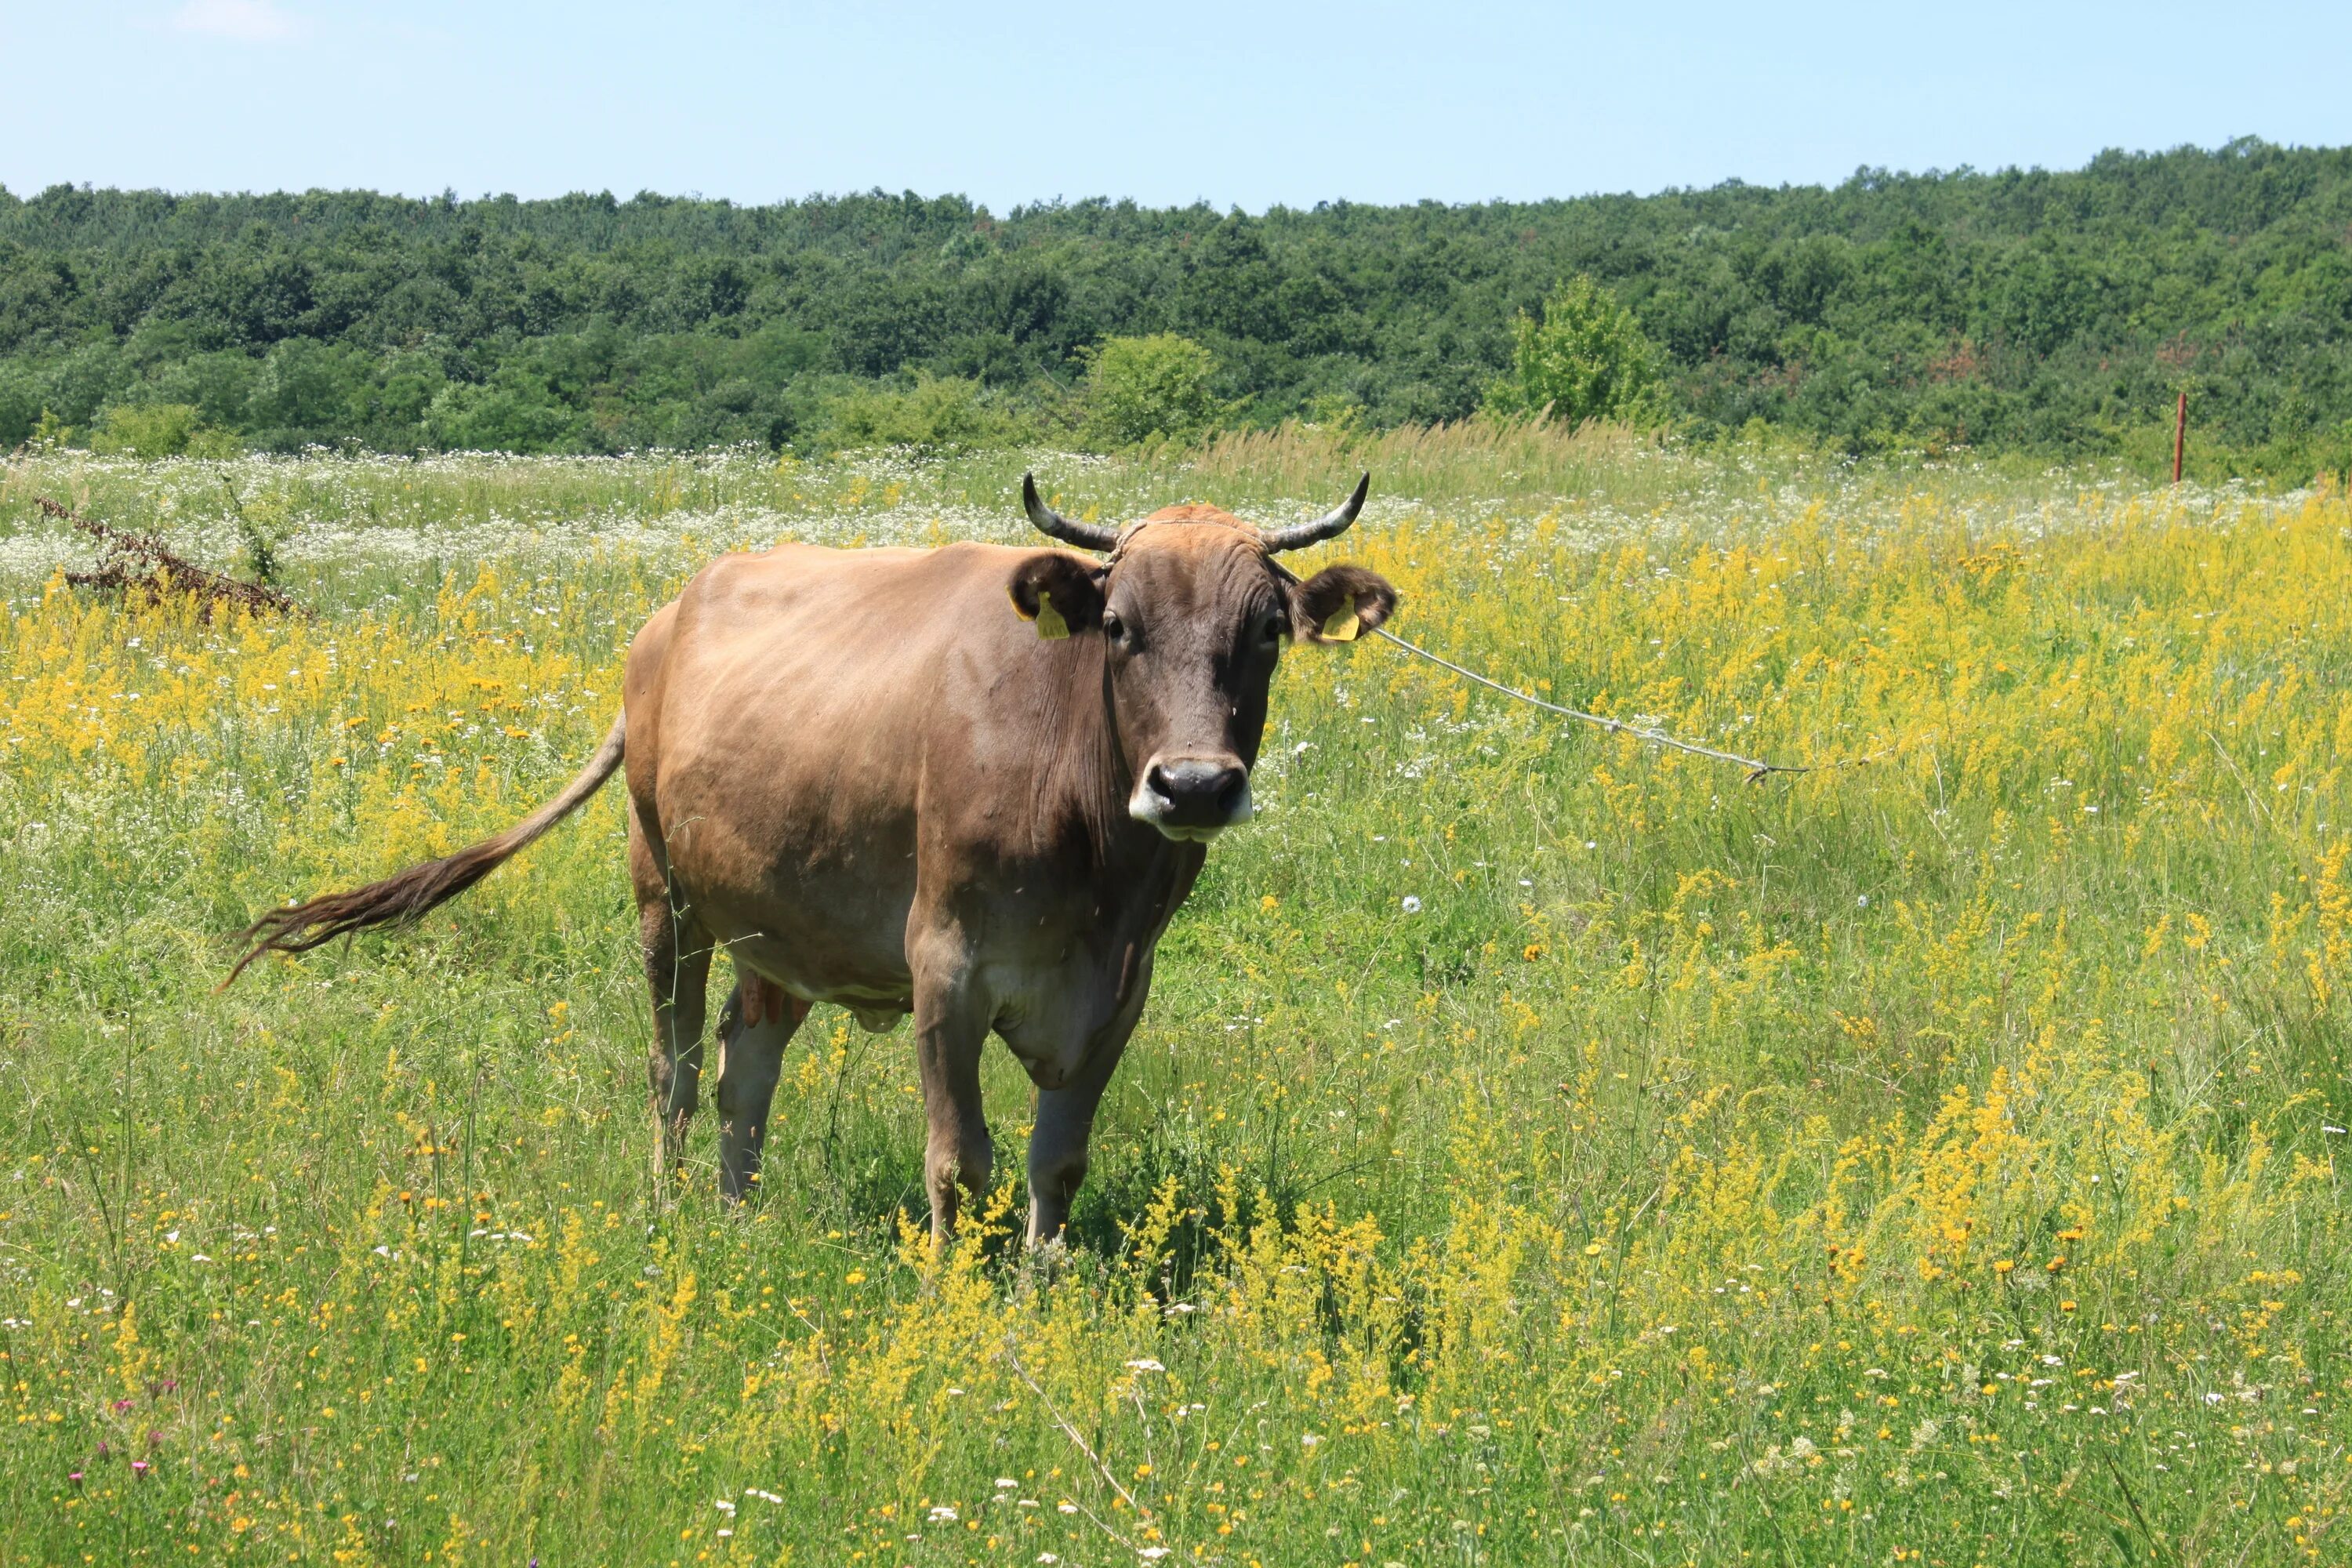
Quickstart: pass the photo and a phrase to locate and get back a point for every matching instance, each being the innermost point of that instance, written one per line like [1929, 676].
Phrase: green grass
[1640, 1196]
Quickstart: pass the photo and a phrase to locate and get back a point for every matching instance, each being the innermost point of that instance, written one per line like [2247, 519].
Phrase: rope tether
[1757, 771]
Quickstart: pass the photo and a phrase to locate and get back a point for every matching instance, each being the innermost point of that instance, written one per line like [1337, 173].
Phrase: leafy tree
[514, 412]
[161, 430]
[1586, 358]
[1140, 389]
[20, 405]
[938, 414]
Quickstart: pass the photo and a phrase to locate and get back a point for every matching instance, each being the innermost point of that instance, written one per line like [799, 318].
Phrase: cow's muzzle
[1191, 798]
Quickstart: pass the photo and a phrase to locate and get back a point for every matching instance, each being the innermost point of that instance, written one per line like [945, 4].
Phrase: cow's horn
[1085, 535]
[1330, 525]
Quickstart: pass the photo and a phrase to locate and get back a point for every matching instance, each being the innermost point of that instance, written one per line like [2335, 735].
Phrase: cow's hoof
[1043, 1262]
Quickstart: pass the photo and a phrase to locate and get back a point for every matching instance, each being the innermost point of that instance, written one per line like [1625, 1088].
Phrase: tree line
[2054, 313]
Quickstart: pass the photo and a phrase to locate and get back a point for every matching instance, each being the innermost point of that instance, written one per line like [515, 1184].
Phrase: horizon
[1732, 181]
[1248, 108]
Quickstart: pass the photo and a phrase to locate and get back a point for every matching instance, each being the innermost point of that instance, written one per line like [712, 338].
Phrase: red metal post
[2181, 436]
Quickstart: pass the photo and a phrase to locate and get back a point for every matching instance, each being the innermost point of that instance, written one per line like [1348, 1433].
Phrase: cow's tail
[406, 897]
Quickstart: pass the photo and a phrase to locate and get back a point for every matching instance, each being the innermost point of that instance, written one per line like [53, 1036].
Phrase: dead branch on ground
[142, 560]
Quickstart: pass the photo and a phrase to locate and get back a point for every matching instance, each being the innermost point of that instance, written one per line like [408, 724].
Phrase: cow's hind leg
[677, 968]
[757, 1022]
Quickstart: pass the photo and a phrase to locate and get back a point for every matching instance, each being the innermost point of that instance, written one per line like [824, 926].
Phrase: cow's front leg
[949, 1029]
[758, 1021]
[1058, 1144]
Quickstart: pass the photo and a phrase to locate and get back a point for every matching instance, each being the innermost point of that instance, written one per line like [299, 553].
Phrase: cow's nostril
[1199, 792]
[1191, 781]
[1193, 797]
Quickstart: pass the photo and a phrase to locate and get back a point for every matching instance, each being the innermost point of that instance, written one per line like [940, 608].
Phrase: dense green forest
[2051, 312]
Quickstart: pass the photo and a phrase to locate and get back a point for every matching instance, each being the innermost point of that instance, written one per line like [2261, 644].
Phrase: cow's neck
[1141, 877]
[1129, 861]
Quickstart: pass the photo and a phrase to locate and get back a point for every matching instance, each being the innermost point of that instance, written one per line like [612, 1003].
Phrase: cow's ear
[1061, 592]
[1340, 604]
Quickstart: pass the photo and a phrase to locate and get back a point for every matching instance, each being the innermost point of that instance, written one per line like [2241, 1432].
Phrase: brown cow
[874, 784]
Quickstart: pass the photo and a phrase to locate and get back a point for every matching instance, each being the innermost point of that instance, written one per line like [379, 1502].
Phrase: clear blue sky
[1239, 104]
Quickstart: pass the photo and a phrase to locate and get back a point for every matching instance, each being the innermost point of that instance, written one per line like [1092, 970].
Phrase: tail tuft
[397, 901]
[406, 897]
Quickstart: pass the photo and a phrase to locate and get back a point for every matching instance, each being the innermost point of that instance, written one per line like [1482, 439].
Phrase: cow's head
[1192, 611]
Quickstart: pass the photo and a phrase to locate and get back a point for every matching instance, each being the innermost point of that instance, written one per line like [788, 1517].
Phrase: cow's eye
[1113, 628]
[1273, 629]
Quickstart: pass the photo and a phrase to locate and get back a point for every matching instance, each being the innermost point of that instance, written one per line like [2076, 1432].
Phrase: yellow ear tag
[1050, 624]
[1342, 625]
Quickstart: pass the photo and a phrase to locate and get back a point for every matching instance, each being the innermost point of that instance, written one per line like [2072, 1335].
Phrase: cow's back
[795, 701]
